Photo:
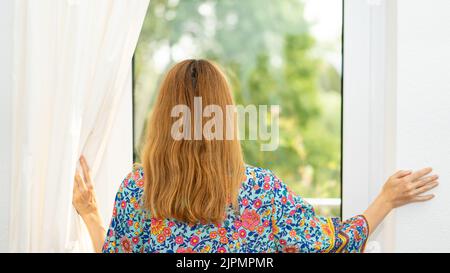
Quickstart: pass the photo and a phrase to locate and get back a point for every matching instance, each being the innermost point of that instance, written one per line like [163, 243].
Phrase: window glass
[285, 53]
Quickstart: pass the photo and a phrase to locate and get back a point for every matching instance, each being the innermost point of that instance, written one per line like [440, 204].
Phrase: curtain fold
[72, 70]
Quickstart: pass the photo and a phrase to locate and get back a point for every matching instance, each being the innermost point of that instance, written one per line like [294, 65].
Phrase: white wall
[397, 114]
[6, 48]
[423, 123]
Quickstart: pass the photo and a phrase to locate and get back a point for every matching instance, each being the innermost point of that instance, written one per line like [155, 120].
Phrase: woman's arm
[325, 234]
[85, 203]
[402, 188]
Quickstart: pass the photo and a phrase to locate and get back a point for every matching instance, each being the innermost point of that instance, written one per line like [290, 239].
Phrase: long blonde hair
[190, 180]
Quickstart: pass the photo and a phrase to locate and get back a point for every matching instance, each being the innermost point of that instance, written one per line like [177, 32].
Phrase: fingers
[86, 172]
[425, 188]
[402, 173]
[79, 181]
[405, 187]
[423, 185]
[423, 198]
[420, 173]
[423, 181]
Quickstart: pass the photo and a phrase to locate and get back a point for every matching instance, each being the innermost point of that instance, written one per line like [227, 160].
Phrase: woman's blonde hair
[190, 180]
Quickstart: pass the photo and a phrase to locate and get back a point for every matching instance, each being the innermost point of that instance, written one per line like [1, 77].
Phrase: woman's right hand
[406, 187]
[401, 188]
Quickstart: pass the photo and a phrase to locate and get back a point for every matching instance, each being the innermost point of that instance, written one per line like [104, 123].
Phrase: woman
[197, 195]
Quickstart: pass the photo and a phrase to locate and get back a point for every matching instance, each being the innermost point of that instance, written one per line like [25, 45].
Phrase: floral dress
[270, 218]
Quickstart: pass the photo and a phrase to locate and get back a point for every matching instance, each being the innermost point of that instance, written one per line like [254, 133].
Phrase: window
[285, 53]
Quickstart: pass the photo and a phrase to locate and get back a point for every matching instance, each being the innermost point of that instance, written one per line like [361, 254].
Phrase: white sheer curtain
[72, 69]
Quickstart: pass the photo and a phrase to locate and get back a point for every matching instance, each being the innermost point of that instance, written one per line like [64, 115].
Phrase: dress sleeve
[119, 236]
[298, 229]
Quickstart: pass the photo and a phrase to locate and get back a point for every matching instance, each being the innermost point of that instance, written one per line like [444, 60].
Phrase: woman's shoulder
[133, 184]
[258, 171]
[261, 177]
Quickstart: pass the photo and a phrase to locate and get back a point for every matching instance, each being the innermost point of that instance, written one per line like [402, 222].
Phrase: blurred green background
[286, 53]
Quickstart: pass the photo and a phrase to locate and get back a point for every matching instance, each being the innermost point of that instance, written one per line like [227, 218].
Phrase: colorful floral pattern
[271, 218]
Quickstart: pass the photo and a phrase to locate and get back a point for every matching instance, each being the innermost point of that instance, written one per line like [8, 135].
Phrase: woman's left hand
[85, 202]
[84, 198]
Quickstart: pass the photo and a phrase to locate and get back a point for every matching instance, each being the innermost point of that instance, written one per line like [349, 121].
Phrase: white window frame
[369, 109]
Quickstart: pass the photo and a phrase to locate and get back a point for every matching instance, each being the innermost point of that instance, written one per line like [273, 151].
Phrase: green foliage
[268, 53]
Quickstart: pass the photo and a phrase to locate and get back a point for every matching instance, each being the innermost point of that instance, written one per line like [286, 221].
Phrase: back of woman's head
[189, 175]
